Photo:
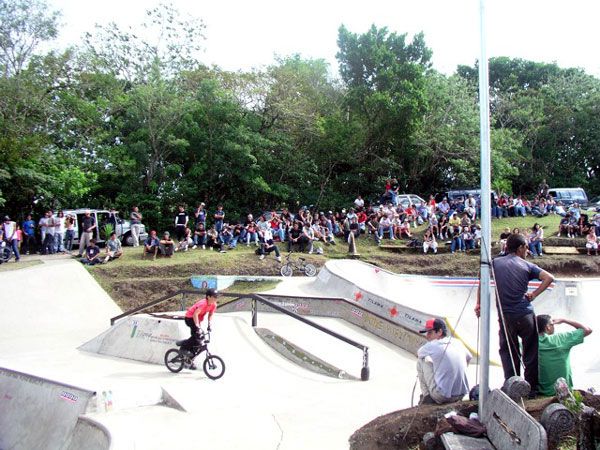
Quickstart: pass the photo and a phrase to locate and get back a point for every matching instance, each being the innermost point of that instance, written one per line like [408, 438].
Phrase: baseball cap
[433, 324]
[212, 293]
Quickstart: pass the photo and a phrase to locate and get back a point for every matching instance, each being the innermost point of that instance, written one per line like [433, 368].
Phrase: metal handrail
[364, 373]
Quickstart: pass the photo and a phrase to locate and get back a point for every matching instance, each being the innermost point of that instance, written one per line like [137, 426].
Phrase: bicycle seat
[180, 342]
[302, 259]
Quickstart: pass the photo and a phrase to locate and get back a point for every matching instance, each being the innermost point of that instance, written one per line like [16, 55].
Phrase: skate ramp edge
[300, 356]
[90, 435]
[38, 413]
[141, 337]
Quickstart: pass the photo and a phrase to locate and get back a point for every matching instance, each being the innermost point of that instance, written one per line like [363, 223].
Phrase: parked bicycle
[176, 359]
[5, 252]
[287, 270]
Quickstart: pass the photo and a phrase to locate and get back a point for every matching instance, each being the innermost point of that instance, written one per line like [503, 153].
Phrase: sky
[242, 34]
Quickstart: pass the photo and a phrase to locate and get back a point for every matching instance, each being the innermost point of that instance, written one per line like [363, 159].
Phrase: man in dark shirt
[294, 236]
[87, 227]
[181, 220]
[92, 254]
[219, 217]
[515, 311]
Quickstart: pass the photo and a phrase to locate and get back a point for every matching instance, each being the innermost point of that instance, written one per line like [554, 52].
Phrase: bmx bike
[287, 270]
[176, 359]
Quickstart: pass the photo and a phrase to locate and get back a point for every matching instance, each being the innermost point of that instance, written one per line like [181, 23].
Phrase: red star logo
[358, 296]
[376, 270]
[393, 311]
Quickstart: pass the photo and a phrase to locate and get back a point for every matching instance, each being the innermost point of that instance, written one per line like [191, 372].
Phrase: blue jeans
[14, 247]
[48, 244]
[469, 243]
[457, 244]
[234, 241]
[251, 237]
[536, 248]
[70, 237]
[225, 239]
[58, 238]
[279, 232]
[199, 240]
[519, 211]
[383, 229]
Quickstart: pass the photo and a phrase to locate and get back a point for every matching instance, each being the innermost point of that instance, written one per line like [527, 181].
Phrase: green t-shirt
[554, 359]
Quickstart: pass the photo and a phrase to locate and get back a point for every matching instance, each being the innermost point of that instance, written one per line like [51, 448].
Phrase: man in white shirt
[442, 365]
[9, 231]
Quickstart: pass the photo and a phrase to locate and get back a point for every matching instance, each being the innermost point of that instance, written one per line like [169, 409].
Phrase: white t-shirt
[9, 228]
[450, 358]
[59, 224]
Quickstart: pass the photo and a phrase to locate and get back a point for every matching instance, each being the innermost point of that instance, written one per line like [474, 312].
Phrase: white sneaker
[261, 257]
[278, 259]
[194, 247]
[176, 248]
[223, 251]
[203, 247]
[310, 252]
[185, 249]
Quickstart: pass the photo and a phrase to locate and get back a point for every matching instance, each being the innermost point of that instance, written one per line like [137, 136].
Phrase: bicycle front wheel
[310, 270]
[286, 270]
[214, 367]
[174, 360]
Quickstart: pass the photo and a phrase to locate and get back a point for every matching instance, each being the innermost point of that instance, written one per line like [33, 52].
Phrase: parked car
[407, 200]
[462, 194]
[568, 196]
[123, 227]
[594, 204]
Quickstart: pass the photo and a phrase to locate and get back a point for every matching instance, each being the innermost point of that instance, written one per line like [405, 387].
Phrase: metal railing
[364, 373]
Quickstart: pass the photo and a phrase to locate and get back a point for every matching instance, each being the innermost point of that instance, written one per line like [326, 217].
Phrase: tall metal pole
[484, 280]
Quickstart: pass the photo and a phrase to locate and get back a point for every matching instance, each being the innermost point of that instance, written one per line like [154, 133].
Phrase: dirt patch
[404, 429]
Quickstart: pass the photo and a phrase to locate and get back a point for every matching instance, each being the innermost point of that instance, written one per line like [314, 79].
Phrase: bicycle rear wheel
[286, 270]
[310, 270]
[5, 254]
[174, 360]
[214, 367]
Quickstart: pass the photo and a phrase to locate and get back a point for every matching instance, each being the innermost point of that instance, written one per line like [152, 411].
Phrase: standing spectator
[267, 246]
[167, 246]
[113, 248]
[59, 232]
[181, 221]
[512, 274]
[592, 242]
[136, 225]
[29, 241]
[543, 189]
[10, 236]
[200, 215]
[219, 216]
[112, 218]
[429, 241]
[92, 253]
[43, 224]
[48, 244]
[151, 245]
[87, 225]
[70, 231]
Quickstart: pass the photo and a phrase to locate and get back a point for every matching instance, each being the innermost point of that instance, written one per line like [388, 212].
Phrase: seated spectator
[238, 231]
[167, 246]
[422, 213]
[444, 226]
[226, 236]
[592, 242]
[457, 242]
[359, 203]
[573, 226]
[251, 233]
[476, 230]
[92, 254]
[308, 236]
[405, 229]
[454, 224]
[354, 230]
[433, 224]
[151, 245]
[262, 225]
[536, 237]
[511, 206]
[471, 207]
[575, 211]
[467, 238]
[362, 220]
[386, 225]
[276, 226]
[429, 241]
[327, 231]
[212, 238]
[294, 237]
[373, 227]
[442, 365]
[200, 236]
[267, 246]
[583, 225]
[443, 208]
[502, 241]
[465, 221]
[186, 240]
[113, 248]
[563, 226]
[519, 208]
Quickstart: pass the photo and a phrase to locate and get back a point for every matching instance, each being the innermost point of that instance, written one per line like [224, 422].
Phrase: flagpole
[484, 280]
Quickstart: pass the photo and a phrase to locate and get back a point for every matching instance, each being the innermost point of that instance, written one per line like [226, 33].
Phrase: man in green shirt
[554, 351]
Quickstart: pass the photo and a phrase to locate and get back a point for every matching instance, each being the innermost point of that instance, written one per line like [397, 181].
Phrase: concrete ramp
[38, 413]
[142, 337]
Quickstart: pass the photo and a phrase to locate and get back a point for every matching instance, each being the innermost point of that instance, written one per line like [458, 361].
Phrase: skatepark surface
[263, 401]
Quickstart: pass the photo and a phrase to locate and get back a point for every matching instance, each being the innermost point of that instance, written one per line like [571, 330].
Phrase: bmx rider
[195, 315]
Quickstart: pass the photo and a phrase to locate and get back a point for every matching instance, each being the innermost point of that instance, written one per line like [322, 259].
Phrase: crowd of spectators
[453, 221]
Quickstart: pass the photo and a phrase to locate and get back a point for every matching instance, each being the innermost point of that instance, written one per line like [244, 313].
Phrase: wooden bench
[509, 427]
[563, 250]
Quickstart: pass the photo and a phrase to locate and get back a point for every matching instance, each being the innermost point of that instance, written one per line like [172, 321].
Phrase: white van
[123, 227]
